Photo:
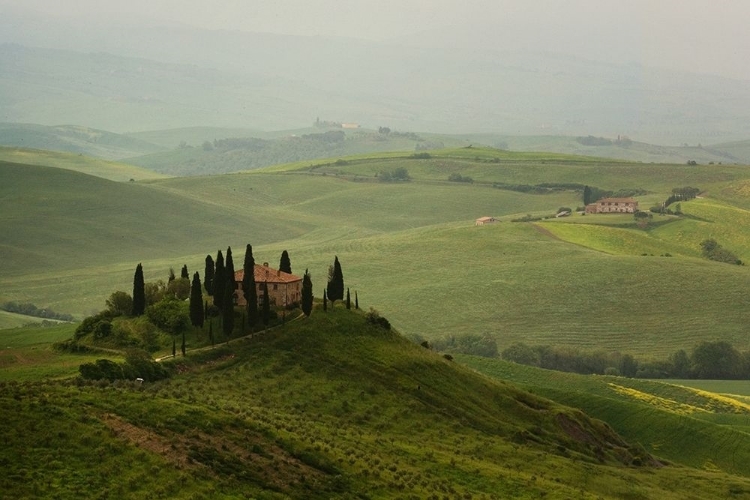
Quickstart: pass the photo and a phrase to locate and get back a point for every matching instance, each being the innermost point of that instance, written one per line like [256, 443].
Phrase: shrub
[374, 318]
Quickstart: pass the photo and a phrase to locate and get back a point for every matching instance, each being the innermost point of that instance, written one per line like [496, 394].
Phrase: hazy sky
[708, 36]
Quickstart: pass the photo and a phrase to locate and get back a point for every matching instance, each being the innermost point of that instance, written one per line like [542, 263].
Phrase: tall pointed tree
[208, 275]
[266, 312]
[248, 287]
[184, 273]
[325, 300]
[139, 292]
[227, 306]
[335, 287]
[348, 299]
[196, 302]
[356, 300]
[219, 280]
[285, 265]
[307, 294]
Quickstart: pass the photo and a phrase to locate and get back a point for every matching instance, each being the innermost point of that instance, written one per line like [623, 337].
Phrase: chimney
[265, 264]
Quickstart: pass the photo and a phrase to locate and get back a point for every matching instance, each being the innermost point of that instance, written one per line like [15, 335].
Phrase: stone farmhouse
[284, 289]
[613, 206]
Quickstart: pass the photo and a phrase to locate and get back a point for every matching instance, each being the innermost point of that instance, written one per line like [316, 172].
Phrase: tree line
[717, 360]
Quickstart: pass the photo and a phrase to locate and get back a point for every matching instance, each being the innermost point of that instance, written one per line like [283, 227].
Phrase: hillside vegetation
[329, 407]
[411, 248]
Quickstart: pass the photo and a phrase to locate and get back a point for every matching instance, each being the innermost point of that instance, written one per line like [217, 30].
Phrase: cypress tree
[197, 313]
[356, 300]
[325, 300]
[285, 265]
[182, 347]
[266, 305]
[211, 331]
[139, 292]
[208, 275]
[348, 299]
[219, 280]
[227, 308]
[307, 294]
[248, 287]
[587, 195]
[335, 287]
[184, 273]
[172, 277]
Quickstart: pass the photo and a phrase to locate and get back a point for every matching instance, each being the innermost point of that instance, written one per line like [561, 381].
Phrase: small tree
[266, 313]
[139, 292]
[285, 265]
[197, 313]
[172, 277]
[208, 275]
[227, 307]
[356, 300]
[325, 300]
[184, 273]
[120, 304]
[307, 294]
[348, 299]
[219, 280]
[248, 287]
[335, 287]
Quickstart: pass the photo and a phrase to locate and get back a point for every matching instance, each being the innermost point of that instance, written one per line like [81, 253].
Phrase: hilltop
[326, 407]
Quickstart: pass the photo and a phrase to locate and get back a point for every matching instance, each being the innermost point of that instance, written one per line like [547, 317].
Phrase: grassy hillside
[73, 139]
[738, 149]
[113, 171]
[692, 427]
[330, 407]
[223, 154]
[412, 250]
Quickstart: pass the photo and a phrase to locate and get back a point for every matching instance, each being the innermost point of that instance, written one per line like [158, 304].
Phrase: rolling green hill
[328, 407]
[688, 426]
[73, 139]
[113, 171]
[411, 248]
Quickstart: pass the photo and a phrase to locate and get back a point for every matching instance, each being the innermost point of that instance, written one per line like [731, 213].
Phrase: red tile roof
[268, 274]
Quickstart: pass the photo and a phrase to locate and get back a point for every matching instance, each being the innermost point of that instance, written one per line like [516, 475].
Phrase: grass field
[696, 428]
[329, 407]
[409, 249]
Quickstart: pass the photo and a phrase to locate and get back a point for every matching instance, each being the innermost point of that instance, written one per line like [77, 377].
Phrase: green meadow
[409, 249]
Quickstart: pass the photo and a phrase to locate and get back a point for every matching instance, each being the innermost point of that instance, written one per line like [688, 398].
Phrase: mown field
[329, 407]
[409, 249]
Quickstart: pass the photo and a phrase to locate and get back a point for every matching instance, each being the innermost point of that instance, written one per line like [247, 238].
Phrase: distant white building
[485, 220]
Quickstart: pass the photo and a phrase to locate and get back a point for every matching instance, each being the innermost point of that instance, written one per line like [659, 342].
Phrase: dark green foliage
[717, 360]
[208, 275]
[120, 304]
[220, 280]
[248, 287]
[307, 294]
[348, 299]
[713, 251]
[91, 323]
[184, 273]
[171, 275]
[587, 196]
[285, 265]
[155, 291]
[197, 310]
[478, 345]
[399, 174]
[325, 300]
[139, 292]
[593, 141]
[211, 332]
[182, 346]
[335, 286]
[456, 177]
[373, 317]
[266, 310]
[30, 309]
[227, 306]
[170, 315]
[356, 300]
[138, 364]
[179, 288]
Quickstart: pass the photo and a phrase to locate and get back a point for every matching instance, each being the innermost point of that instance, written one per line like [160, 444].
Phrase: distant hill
[111, 170]
[74, 139]
[233, 154]
[276, 82]
[739, 150]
